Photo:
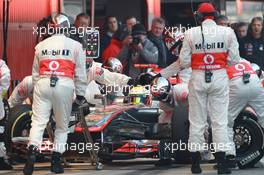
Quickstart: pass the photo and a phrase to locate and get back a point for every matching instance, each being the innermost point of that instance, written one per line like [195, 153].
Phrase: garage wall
[23, 16]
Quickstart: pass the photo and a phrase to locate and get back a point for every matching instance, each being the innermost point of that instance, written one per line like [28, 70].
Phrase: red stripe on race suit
[59, 67]
[239, 69]
[213, 61]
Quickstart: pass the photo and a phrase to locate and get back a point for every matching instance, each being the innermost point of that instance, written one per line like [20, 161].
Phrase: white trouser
[180, 95]
[240, 96]
[59, 99]
[208, 99]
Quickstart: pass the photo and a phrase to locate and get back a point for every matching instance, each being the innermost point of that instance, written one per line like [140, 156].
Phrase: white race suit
[219, 49]
[61, 57]
[243, 94]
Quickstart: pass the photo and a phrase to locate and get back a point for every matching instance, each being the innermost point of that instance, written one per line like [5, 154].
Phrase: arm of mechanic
[232, 48]
[35, 68]
[5, 76]
[111, 78]
[171, 70]
[80, 78]
[186, 52]
[21, 92]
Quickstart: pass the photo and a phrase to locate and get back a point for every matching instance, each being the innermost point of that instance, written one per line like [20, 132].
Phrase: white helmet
[115, 65]
[61, 20]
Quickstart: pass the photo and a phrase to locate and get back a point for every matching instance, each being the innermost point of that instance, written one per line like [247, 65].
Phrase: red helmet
[206, 8]
[206, 11]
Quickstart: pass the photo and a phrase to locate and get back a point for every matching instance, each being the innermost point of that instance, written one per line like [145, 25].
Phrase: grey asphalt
[131, 167]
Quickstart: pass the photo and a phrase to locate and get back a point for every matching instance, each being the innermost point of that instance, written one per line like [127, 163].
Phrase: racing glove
[4, 94]
[131, 82]
[79, 101]
[146, 78]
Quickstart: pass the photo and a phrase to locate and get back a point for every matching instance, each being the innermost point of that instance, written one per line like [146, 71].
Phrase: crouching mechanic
[245, 88]
[169, 97]
[58, 70]
[21, 92]
[179, 96]
[4, 85]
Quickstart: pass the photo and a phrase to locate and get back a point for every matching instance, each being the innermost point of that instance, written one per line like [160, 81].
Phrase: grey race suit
[21, 92]
[241, 95]
[63, 57]
[4, 85]
[221, 48]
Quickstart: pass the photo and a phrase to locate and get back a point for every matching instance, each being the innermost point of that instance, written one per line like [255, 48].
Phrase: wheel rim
[25, 126]
[242, 138]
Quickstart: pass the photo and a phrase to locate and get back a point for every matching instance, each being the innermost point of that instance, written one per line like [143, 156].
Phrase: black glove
[131, 82]
[146, 78]
[79, 101]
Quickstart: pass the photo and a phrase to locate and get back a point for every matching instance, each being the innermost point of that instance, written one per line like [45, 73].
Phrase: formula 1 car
[119, 130]
[125, 131]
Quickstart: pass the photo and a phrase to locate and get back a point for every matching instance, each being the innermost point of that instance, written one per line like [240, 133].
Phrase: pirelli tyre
[248, 138]
[18, 126]
[180, 134]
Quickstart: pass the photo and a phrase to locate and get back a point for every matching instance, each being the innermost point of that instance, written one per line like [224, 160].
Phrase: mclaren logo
[54, 65]
[208, 59]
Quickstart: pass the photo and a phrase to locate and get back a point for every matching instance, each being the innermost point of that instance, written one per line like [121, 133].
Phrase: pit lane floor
[131, 167]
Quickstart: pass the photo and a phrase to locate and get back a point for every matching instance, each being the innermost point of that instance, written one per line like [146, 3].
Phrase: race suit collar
[208, 22]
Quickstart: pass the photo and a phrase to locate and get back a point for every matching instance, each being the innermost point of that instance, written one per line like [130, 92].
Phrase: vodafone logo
[240, 67]
[208, 59]
[54, 65]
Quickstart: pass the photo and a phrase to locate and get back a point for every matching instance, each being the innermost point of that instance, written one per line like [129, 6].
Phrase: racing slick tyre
[180, 134]
[18, 125]
[248, 138]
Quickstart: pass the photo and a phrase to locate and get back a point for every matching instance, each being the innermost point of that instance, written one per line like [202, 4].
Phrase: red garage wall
[23, 16]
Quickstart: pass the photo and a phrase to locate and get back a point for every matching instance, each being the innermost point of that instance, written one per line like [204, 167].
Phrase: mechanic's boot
[56, 165]
[231, 161]
[163, 162]
[5, 165]
[196, 158]
[222, 167]
[31, 159]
